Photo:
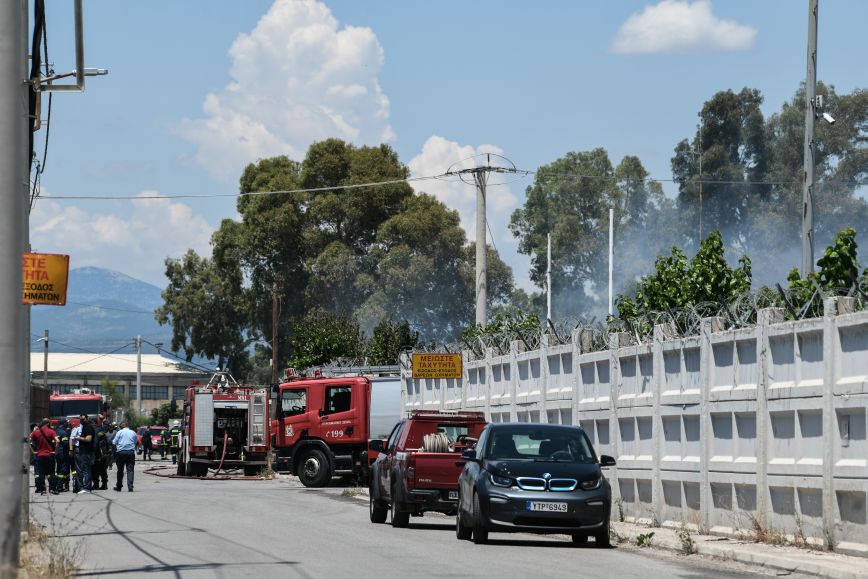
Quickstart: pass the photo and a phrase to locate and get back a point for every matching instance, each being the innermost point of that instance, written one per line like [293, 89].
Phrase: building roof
[109, 364]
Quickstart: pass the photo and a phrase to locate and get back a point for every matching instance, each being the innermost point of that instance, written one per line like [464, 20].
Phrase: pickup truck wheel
[314, 470]
[400, 517]
[378, 511]
[462, 531]
[602, 540]
[480, 531]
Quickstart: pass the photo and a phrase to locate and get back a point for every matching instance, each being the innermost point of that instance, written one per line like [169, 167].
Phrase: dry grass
[45, 557]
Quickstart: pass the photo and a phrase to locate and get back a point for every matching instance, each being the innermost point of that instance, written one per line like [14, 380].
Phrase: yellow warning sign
[436, 365]
[45, 278]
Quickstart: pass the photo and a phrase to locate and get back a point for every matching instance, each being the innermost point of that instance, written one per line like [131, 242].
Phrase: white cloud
[679, 26]
[296, 78]
[136, 245]
[439, 154]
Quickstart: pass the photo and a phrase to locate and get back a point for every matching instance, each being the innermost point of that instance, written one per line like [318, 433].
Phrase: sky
[198, 89]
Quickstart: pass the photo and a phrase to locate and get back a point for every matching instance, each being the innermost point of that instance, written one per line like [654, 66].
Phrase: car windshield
[156, 432]
[543, 444]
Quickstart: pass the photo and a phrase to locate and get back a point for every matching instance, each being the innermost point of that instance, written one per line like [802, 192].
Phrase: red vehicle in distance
[63, 407]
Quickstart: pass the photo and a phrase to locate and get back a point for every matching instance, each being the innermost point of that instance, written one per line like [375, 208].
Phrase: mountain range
[105, 310]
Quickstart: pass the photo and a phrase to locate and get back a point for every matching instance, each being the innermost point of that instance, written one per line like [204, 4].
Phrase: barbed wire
[683, 322]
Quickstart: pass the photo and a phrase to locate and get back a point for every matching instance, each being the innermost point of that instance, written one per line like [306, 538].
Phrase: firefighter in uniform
[62, 457]
[101, 456]
[164, 445]
[174, 442]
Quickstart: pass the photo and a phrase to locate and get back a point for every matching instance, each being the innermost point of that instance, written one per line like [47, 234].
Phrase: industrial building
[163, 379]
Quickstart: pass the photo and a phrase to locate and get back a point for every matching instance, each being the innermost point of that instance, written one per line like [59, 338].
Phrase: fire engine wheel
[251, 471]
[315, 470]
[182, 468]
[378, 511]
[400, 517]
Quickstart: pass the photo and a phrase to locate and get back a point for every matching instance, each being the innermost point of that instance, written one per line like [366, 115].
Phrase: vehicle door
[469, 474]
[339, 417]
[295, 418]
[384, 473]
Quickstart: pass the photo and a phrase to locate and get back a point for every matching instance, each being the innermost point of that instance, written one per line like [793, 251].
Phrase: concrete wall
[726, 431]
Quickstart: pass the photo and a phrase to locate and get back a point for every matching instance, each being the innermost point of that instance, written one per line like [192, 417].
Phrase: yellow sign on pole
[437, 366]
[45, 279]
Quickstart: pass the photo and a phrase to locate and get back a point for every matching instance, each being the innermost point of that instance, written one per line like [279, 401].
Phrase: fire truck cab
[63, 407]
[224, 427]
[322, 427]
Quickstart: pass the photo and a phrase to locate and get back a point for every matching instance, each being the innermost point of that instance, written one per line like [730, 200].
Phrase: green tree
[322, 337]
[204, 304]
[570, 199]
[161, 415]
[677, 282]
[389, 339]
[425, 271]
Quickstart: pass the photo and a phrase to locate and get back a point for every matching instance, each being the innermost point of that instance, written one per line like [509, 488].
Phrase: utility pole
[45, 363]
[14, 190]
[810, 115]
[480, 180]
[274, 317]
[549, 277]
[139, 375]
[611, 254]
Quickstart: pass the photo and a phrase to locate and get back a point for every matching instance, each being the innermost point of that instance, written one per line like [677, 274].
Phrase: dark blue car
[534, 478]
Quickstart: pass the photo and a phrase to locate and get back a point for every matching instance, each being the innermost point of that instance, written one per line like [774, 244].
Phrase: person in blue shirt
[124, 442]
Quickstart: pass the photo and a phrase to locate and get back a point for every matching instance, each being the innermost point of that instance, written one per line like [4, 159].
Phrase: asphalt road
[191, 528]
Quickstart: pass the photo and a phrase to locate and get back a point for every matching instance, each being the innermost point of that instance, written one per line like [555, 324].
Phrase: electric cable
[95, 358]
[408, 180]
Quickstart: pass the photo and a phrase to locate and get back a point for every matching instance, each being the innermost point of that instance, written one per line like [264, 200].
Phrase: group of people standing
[82, 456]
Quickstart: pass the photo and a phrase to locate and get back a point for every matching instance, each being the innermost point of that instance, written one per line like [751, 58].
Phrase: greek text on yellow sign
[45, 278]
[436, 365]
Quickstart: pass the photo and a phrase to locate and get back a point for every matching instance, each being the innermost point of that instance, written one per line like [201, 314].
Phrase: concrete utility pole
[611, 254]
[808, 186]
[274, 318]
[481, 179]
[549, 277]
[14, 190]
[45, 362]
[139, 375]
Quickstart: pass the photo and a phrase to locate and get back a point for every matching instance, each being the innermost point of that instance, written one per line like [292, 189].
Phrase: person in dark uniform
[147, 444]
[61, 457]
[101, 454]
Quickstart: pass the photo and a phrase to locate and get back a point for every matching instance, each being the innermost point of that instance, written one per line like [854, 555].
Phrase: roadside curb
[788, 559]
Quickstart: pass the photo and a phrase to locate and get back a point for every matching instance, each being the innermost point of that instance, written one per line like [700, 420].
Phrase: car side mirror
[606, 460]
[469, 455]
[377, 445]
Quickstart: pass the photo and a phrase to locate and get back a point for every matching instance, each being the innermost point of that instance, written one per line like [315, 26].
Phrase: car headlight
[593, 484]
[500, 481]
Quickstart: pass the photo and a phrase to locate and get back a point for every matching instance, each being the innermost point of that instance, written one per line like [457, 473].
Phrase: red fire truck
[322, 428]
[224, 427]
[71, 406]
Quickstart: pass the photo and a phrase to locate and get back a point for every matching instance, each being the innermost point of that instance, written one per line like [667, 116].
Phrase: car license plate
[547, 507]
[453, 495]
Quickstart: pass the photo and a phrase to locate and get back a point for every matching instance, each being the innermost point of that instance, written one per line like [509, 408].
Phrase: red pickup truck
[416, 469]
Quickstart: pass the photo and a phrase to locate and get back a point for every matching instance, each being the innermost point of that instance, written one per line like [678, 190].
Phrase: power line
[179, 358]
[95, 358]
[213, 195]
[110, 308]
